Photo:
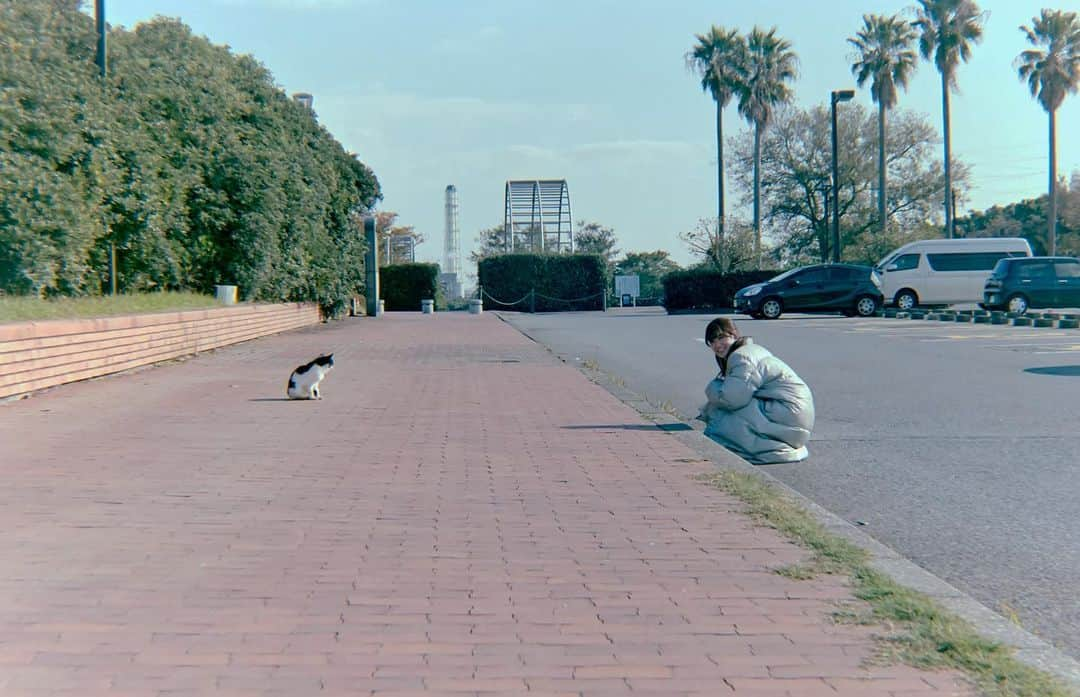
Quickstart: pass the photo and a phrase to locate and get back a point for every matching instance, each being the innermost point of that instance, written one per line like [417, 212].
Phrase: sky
[477, 92]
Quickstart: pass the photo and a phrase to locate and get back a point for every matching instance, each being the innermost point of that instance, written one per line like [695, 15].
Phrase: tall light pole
[837, 96]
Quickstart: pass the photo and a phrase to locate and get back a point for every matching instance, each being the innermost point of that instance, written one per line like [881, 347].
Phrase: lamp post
[99, 59]
[837, 96]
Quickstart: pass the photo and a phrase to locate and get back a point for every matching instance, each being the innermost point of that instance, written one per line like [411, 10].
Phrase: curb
[1028, 648]
[1053, 320]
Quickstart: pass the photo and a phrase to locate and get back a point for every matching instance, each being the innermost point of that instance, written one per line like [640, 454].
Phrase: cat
[304, 381]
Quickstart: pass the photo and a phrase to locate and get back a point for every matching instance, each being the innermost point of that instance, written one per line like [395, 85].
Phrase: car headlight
[875, 279]
[752, 290]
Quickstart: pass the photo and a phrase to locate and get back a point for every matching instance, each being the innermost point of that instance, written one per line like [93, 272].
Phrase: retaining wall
[36, 355]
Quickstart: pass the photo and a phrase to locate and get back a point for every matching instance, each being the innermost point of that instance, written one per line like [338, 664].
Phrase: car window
[964, 261]
[906, 261]
[811, 276]
[1067, 269]
[1035, 271]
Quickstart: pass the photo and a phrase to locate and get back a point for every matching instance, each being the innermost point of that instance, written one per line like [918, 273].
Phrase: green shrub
[403, 286]
[703, 289]
[543, 282]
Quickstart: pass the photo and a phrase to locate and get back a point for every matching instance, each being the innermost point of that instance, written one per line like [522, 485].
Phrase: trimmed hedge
[403, 286]
[702, 289]
[543, 282]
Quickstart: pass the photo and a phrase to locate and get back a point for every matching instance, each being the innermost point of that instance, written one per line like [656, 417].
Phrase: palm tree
[717, 57]
[886, 58]
[948, 29]
[1051, 72]
[770, 64]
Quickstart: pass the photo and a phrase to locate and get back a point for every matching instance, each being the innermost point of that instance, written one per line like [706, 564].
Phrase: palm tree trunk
[948, 156]
[1052, 217]
[720, 183]
[757, 194]
[881, 169]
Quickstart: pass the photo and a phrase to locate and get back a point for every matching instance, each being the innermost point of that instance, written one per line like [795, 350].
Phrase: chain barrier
[532, 295]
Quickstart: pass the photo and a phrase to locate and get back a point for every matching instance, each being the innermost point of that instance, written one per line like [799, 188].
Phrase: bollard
[382, 306]
[427, 307]
[476, 307]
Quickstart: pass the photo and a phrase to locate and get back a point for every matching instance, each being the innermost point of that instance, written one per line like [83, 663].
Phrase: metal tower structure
[538, 216]
[452, 243]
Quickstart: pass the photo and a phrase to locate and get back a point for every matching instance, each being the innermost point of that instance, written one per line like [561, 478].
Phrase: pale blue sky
[476, 92]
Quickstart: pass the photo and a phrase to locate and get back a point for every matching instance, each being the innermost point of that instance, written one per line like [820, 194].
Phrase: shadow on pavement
[634, 427]
[1069, 370]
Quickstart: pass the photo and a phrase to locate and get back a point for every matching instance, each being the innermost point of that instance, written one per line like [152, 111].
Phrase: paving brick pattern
[460, 515]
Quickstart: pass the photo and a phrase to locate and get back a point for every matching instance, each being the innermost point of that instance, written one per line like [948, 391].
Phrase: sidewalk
[460, 515]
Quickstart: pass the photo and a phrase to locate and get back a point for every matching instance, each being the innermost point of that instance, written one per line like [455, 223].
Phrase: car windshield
[884, 262]
[786, 274]
[1001, 269]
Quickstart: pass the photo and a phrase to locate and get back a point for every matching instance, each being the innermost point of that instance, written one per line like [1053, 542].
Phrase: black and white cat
[304, 381]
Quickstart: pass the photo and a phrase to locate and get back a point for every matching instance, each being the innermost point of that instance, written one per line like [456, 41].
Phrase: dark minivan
[848, 288]
[1018, 283]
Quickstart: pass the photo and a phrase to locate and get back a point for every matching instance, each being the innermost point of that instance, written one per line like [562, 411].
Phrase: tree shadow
[1066, 370]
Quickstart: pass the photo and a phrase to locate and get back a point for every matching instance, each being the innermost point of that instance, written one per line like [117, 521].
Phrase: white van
[944, 272]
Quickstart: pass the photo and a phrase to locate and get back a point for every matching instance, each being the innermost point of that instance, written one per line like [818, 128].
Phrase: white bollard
[427, 306]
[476, 307]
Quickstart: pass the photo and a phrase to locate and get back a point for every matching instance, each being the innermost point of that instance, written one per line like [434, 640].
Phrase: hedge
[701, 289]
[403, 286]
[543, 282]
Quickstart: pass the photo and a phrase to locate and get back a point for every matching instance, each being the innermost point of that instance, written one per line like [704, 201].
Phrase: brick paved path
[454, 518]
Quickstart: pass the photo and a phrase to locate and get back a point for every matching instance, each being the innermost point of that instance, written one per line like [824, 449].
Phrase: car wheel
[772, 308]
[1018, 304]
[866, 306]
[906, 300]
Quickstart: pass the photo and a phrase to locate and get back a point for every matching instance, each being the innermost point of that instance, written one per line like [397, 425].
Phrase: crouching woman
[757, 406]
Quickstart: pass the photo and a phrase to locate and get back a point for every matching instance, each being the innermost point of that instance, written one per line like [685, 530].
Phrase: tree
[718, 59]
[796, 158]
[737, 250]
[594, 238]
[763, 85]
[491, 241]
[885, 57]
[650, 268]
[948, 28]
[1052, 70]
[395, 241]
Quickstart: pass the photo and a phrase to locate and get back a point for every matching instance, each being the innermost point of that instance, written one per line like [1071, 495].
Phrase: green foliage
[187, 158]
[1028, 218]
[403, 286]
[543, 282]
[650, 268]
[705, 289]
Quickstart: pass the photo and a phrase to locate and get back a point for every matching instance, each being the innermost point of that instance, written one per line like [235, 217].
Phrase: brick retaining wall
[36, 355]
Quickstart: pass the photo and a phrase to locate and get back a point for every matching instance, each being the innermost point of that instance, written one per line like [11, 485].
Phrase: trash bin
[476, 307]
[226, 295]
[427, 306]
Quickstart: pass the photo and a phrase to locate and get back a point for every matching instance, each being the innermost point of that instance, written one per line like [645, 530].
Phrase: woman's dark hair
[721, 326]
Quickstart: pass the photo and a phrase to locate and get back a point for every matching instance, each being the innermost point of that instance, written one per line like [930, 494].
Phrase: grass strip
[918, 631]
[23, 309]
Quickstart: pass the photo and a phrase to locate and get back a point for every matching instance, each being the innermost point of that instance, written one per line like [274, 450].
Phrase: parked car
[944, 272]
[1020, 283]
[848, 288]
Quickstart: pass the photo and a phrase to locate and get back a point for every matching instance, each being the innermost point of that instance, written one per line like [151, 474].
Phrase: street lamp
[837, 96]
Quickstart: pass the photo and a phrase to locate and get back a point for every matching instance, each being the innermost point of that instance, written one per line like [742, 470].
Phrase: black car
[848, 288]
[1018, 283]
